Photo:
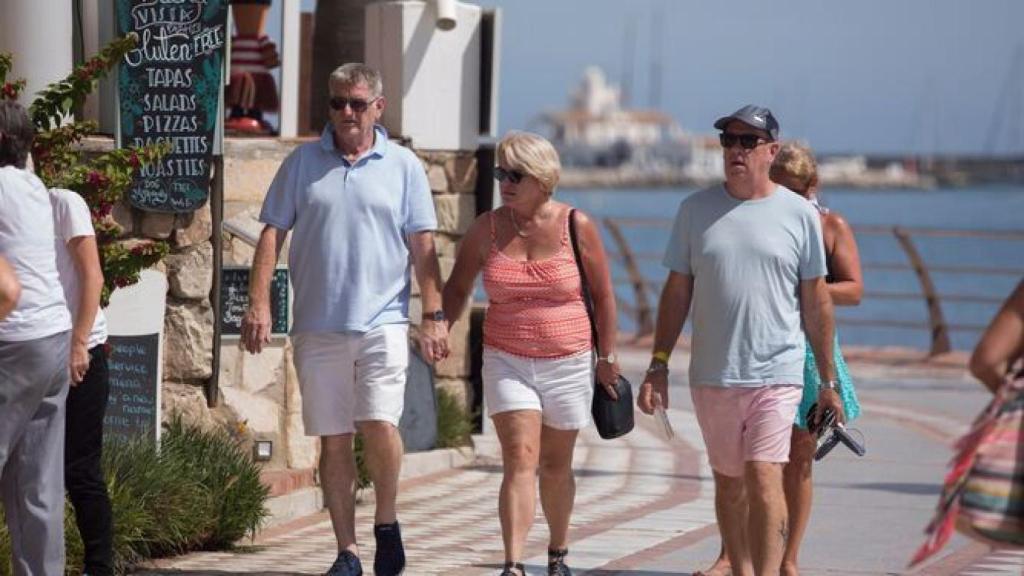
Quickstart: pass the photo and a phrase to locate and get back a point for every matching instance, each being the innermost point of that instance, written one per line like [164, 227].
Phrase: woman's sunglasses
[746, 141]
[513, 176]
[358, 106]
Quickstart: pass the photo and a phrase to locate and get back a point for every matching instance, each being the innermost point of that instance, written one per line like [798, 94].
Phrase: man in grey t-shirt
[749, 256]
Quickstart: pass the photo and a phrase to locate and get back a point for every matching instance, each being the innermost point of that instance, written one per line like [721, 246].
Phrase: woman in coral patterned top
[537, 371]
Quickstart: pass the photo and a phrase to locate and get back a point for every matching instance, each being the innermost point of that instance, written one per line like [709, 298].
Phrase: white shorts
[351, 377]
[559, 388]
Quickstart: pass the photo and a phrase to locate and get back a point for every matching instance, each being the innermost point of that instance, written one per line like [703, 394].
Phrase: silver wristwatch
[829, 385]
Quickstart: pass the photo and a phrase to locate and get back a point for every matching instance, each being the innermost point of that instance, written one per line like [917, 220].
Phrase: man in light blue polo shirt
[360, 209]
[749, 256]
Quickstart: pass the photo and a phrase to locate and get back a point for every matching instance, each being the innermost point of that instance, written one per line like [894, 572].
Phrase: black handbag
[613, 418]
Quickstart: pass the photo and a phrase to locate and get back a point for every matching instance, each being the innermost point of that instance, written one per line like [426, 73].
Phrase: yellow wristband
[660, 356]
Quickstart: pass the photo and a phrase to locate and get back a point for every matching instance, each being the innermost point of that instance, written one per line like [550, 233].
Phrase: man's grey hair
[356, 73]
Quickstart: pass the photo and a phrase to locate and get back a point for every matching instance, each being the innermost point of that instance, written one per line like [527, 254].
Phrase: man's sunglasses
[358, 106]
[513, 176]
[746, 141]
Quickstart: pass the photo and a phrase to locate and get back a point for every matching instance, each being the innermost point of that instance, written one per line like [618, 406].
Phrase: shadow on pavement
[591, 472]
[531, 569]
[536, 569]
[632, 573]
[917, 489]
[213, 573]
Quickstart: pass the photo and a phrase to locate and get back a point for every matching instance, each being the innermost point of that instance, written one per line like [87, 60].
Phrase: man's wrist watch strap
[436, 315]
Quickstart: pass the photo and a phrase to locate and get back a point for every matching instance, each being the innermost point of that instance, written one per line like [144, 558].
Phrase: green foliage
[362, 472]
[5, 547]
[454, 423]
[200, 491]
[158, 510]
[55, 104]
[101, 180]
[228, 475]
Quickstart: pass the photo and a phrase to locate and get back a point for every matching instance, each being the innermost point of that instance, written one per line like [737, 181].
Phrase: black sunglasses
[513, 176]
[358, 106]
[746, 141]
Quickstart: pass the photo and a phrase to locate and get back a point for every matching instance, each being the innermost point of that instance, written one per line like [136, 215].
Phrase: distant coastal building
[604, 144]
[597, 131]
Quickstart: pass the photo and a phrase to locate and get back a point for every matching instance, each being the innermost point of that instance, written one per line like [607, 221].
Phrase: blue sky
[878, 76]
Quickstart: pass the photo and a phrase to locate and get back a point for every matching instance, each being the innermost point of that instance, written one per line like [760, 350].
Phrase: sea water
[978, 208]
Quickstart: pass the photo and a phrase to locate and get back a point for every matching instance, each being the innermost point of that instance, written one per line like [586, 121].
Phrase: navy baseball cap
[754, 116]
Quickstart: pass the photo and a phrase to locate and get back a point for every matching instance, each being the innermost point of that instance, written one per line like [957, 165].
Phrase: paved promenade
[645, 504]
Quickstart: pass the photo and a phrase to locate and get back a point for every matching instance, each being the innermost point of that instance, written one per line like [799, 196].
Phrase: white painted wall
[431, 76]
[38, 34]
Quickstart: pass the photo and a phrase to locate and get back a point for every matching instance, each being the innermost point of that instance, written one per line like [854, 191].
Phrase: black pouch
[612, 418]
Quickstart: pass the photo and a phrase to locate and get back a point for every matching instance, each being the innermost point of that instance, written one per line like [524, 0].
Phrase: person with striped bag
[983, 493]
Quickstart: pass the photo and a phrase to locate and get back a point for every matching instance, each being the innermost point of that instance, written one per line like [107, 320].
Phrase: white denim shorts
[559, 388]
[351, 377]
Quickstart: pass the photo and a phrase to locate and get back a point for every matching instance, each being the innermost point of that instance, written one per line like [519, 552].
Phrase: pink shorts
[743, 425]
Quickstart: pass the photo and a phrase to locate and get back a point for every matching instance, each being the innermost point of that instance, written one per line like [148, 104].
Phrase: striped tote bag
[983, 494]
[992, 502]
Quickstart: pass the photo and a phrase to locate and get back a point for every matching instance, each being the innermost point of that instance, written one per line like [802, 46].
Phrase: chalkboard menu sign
[169, 90]
[234, 300]
[133, 410]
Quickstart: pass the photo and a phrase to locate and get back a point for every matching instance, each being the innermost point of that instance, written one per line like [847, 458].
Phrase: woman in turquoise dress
[796, 169]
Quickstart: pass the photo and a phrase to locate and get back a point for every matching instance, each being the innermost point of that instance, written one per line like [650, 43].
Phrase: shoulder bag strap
[584, 284]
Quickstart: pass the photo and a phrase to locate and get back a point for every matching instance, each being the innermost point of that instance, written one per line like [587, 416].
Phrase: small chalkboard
[169, 90]
[133, 410]
[234, 300]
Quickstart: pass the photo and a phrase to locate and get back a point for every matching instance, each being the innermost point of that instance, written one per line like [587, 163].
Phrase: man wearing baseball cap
[748, 255]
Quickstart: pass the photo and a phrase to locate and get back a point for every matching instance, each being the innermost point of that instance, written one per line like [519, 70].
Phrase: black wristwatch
[657, 366]
[436, 315]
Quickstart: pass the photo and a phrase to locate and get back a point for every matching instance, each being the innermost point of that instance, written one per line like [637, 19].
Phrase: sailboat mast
[628, 59]
[657, 52]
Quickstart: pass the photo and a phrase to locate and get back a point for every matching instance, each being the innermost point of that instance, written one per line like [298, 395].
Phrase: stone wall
[188, 320]
[452, 177]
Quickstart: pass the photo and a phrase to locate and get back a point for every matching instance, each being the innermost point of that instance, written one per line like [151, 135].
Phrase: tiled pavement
[643, 508]
[998, 563]
[634, 494]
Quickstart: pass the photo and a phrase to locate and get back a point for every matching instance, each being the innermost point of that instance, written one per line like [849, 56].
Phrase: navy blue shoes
[347, 564]
[389, 559]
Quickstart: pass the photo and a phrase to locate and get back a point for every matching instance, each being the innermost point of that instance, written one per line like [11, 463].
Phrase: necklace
[515, 225]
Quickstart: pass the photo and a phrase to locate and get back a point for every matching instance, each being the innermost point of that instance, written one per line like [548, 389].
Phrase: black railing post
[644, 317]
[939, 329]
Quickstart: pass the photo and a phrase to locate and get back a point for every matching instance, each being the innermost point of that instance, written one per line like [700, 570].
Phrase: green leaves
[199, 491]
[55, 103]
[103, 179]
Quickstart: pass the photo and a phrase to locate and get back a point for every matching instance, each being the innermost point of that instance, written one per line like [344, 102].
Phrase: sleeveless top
[535, 306]
[824, 212]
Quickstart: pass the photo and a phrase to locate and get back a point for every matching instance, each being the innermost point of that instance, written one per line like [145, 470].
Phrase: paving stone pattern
[633, 494]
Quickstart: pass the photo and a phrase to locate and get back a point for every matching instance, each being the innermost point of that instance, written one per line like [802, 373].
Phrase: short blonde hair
[796, 161]
[533, 155]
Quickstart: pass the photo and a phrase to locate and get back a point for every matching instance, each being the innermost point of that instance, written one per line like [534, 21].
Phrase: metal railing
[645, 290]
